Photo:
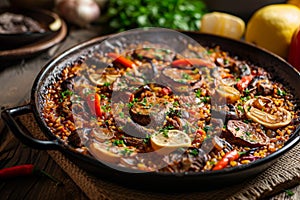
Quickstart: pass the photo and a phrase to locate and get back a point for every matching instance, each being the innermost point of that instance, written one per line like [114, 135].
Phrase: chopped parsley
[144, 102]
[198, 93]
[106, 108]
[186, 76]
[237, 128]
[165, 130]
[205, 99]
[240, 108]
[106, 84]
[65, 94]
[281, 92]
[194, 152]
[176, 104]
[247, 121]
[122, 115]
[245, 98]
[103, 96]
[130, 104]
[289, 192]
[118, 142]
[247, 91]
[207, 128]
[173, 112]
[146, 140]
[126, 151]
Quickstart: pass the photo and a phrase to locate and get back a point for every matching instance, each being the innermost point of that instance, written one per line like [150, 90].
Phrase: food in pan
[11, 23]
[152, 109]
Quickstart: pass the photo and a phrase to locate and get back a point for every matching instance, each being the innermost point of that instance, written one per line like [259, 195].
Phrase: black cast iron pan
[278, 67]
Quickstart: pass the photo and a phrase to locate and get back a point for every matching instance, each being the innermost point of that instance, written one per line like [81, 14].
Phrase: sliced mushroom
[230, 94]
[148, 106]
[256, 110]
[152, 112]
[244, 134]
[102, 134]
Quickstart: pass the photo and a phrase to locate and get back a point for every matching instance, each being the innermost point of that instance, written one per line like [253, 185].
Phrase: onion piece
[79, 12]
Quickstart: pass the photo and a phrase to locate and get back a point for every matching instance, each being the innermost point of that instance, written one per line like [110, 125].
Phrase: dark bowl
[278, 67]
[49, 22]
[241, 8]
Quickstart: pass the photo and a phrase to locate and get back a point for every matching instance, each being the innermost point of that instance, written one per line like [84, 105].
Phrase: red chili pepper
[190, 62]
[16, 171]
[294, 50]
[23, 170]
[121, 60]
[229, 156]
[244, 82]
[94, 103]
[98, 105]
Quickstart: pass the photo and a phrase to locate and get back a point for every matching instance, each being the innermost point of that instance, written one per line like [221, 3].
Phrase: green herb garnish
[174, 14]
[281, 92]
[289, 192]
[118, 142]
[126, 151]
[194, 152]
[198, 93]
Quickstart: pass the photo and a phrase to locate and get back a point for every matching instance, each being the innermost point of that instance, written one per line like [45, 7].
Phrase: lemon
[222, 24]
[102, 79]
[170, 141]
[107, 152]
[272, 27]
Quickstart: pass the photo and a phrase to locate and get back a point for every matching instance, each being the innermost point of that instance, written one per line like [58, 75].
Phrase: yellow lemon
[166, 142]
[272, 27]
[222, 24]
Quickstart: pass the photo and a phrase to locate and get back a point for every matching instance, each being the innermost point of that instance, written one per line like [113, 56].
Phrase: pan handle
[22, 133]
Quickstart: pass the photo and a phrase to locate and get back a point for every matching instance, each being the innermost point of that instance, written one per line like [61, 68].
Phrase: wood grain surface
[16, 79]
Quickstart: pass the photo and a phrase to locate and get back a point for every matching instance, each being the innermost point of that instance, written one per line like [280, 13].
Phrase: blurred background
[126, 14]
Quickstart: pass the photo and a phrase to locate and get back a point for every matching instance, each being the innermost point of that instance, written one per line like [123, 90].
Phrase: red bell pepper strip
[23, 170]
[94, 103]
[244, 82]
[98, 105]
[294, 50]
[190, 62]
[121, 60]
[229, 156]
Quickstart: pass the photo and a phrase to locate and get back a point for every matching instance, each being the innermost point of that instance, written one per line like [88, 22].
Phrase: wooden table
[15, 83]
